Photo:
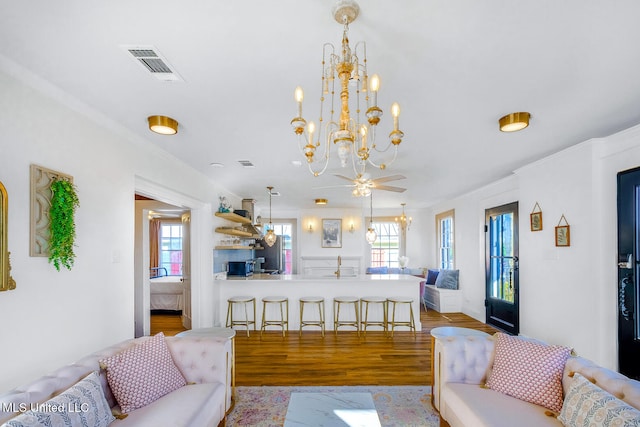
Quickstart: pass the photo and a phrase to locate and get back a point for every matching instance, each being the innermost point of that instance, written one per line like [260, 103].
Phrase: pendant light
[270, 237]
[371, 234]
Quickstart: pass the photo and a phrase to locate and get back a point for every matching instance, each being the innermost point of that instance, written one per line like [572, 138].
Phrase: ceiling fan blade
[343, 177]
[388, 178]
[390, 188]
[333, 186]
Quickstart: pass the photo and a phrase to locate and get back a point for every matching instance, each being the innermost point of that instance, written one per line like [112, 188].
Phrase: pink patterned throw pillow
[142, 374]
[529, 370]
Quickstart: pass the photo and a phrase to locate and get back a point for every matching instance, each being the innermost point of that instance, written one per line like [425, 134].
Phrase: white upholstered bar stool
[337, 322]
[283, 321]
[364, 313]
[392, 304]
[246, 321]
[319, 303]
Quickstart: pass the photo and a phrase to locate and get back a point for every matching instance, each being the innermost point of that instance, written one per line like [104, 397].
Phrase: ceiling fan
[363, 184]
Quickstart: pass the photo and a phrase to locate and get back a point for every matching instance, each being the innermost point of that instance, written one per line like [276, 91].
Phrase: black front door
[629, 272]
[502, 297]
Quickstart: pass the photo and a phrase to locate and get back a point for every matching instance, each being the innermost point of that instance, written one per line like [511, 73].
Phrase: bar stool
[392, 303]
[337, 301]
[364, 308]
[244, 300]
[283, 303]
[319, 302]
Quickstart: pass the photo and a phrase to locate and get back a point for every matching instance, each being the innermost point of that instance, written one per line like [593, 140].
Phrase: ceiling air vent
[246, 164]
[153, 62]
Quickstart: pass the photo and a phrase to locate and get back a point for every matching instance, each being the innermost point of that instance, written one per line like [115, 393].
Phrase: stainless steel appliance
[273, 258]
[240, 268]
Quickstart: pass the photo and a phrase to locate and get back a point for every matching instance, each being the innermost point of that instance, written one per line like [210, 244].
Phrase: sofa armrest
[461, 359]
[203, 359]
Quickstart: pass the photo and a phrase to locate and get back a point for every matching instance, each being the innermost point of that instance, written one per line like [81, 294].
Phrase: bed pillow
[83, 404]
[142, 374]
[528, 370]
[447, 279]
[432, 275]
[587, 405]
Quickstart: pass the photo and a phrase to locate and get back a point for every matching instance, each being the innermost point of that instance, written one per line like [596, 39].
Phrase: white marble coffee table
[331, 409]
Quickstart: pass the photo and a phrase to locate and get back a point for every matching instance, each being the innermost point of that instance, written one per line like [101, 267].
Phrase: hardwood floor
[345, 359]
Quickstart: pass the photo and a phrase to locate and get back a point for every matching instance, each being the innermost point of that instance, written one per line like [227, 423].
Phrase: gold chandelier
[354, 136]
[404, 220]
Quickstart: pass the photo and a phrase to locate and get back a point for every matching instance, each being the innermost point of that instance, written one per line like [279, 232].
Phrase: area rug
[406, 406]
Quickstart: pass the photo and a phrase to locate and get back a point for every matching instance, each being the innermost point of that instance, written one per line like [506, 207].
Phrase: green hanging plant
[62, 227]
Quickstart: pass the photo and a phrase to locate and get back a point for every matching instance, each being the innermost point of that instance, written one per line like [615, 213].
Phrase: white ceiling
[455, 67]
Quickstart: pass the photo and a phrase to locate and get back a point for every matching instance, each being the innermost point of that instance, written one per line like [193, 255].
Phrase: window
[445, 241]
[386, 249]
[171, 248]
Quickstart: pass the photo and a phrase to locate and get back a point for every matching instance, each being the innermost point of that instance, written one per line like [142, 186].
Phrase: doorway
[628, 272]
[502, 300]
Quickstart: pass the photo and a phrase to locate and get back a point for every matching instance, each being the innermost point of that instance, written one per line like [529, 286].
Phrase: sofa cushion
[466, 405]
[143, 373]
[447, 279]
[432, 275]
[590, 406]
[377, 270]
[192, 405]
[83, 404]
[529, 370]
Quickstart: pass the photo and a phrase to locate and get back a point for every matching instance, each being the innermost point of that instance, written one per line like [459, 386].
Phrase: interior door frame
[493, 304]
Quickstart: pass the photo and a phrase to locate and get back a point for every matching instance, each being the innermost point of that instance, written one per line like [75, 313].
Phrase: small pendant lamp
[270, 237]
[371, 234]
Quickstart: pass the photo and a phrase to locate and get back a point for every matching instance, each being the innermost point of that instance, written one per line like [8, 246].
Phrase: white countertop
[295, 277]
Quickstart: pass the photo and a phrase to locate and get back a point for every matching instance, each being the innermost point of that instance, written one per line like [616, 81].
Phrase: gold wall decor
[6, 281]
[535, 218]
[41, 179]
[563, 233]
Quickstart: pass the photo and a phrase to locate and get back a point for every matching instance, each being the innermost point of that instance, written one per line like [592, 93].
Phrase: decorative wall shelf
[233, 232]
[234, 247]
[233, 217]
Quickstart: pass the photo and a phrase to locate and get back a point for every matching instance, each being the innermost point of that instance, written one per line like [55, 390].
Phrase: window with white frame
[386, 249]
[445, 239]
[171, 248]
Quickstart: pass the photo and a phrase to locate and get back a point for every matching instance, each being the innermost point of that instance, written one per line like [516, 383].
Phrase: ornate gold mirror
[6, 281]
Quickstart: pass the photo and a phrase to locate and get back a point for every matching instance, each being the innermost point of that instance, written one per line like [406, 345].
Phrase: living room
[568, 295]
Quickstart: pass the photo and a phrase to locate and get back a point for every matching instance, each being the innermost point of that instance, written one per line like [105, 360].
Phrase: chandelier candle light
[354, 137]
[404, 220]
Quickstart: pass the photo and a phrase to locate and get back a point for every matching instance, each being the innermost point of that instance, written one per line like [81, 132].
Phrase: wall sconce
[310, 228]
[352, 228]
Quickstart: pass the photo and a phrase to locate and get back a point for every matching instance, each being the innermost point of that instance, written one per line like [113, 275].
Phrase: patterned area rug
[406, 406]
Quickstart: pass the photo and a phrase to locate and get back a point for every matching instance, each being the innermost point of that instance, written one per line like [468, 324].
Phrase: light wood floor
[342, 359]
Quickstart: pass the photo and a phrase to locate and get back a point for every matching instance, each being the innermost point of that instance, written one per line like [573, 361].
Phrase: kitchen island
[296, 286]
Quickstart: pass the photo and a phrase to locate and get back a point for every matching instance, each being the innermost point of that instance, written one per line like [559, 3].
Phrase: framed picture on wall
[331, 233]
[536, 221]
[563, 235]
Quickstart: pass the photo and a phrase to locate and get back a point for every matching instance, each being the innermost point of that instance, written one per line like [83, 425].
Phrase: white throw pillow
[587, 405]
[83, 404]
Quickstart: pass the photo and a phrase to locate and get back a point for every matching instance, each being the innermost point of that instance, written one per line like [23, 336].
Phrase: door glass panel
[502, 259]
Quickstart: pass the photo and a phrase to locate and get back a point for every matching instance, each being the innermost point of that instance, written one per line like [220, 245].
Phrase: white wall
[53, 317]
[567, 295]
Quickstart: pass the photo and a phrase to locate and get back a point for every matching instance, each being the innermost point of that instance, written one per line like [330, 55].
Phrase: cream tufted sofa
[205, 363]
[462, 364]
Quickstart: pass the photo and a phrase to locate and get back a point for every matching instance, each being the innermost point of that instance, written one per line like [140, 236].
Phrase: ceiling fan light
[514, 122]
[163, 125]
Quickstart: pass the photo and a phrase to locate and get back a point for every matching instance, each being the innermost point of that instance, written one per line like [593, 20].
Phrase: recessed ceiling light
[216, 165]
[296, 163]
[321, 201]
